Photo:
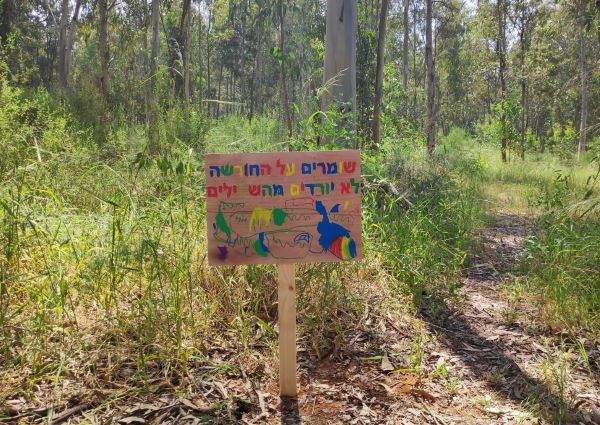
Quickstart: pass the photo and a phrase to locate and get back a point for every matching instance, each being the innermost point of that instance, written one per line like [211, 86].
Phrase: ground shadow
[489, 362]
[290, 415]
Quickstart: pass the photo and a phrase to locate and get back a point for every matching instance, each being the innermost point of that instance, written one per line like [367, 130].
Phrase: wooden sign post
[284, 208]
[286, 296]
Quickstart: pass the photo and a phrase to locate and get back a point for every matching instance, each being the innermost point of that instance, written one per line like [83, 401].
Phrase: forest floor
[491, 362]
[482, 359]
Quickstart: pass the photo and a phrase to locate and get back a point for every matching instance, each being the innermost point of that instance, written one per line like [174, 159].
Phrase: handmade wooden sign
[284, 207]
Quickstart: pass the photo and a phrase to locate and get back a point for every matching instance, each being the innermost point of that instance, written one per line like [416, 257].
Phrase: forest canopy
[522, 69]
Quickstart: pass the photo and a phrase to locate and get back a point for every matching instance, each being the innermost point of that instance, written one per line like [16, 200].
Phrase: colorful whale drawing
[334, 238]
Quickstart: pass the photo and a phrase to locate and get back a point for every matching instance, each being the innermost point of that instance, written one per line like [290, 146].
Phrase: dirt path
[515, 371]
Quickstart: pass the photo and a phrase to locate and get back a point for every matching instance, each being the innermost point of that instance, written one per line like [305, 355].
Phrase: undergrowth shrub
[420, 217]
[109, 256]
[563, 257]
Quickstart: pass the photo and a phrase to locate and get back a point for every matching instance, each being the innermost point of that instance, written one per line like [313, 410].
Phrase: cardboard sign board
[283, 207]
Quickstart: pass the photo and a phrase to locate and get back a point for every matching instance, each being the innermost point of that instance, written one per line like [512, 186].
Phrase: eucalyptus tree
[379, 73]
[582, 18]
[104, 79]
[405, 42]
[501, 9]
[524, 16]
[152, 107]
[339, 71]
[430, 72]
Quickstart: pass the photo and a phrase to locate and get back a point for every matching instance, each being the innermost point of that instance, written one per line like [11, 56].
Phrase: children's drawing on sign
[267, 234]
[262, 210]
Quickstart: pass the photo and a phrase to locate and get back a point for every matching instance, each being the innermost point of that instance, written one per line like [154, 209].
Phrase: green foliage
[30, 127]
[325, 129]
[420, 218]
[563, 140]
[503, 123]
[563, 256]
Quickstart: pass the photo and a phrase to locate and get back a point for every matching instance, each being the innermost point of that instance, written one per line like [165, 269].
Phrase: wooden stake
[287, 329]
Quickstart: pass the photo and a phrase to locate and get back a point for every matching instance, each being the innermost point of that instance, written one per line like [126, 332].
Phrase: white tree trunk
[339, 73]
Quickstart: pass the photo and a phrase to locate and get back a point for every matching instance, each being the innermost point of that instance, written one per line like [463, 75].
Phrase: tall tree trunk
[414, 52]
[430, 64]
[186, 32]
[284, 90]
[103, 49]
[598, 9]
[380, 69]
[153, 125]
[228, 94]
[242, 62]
[582, 145]
[340, 62]
[71, 38]
[523, 93]
[63, 43]
[256, 98]
[218, 107]
[405, 47]
[501, 52]
[208, 87]
[200, 94]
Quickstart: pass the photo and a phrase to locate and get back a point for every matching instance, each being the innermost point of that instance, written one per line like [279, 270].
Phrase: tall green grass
[563, 257]
[103, 261]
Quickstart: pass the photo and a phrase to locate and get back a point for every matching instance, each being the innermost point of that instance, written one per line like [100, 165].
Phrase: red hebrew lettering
[349, 166]
[254, 189]
[265, 169]
[345, 188]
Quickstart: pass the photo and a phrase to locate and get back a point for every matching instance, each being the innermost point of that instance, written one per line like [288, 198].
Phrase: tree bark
[414, 52]
[63, 43]
[71, 38]
[153, 125]
[104, 52]
[501, 52]
[242, 62]
[284, 90]
[523, 93]
[208, 87]
[256, 98]
[582, 145]
[200, 94]
[405, 47]
[186, 32]
[598, 9]
[430, 70]
[339, 71]
[218, 107]
[379, 74]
